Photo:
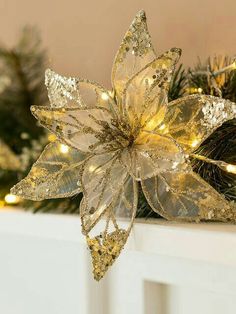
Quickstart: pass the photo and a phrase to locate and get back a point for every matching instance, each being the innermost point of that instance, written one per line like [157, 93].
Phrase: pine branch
[23, 66]
[21, 85]
[221, 144]
[178, 84]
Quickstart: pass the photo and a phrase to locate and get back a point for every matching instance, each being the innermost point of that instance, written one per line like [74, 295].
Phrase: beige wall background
[82, 37]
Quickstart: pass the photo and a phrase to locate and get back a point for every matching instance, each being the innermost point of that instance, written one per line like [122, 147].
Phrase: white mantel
[165, 268]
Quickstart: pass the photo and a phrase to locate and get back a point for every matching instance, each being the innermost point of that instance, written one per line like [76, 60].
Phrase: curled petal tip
[48, 76]
[33, 109]
[12, 190]
[141, 14]
[48, 71]
[176, 50]
[16, 190]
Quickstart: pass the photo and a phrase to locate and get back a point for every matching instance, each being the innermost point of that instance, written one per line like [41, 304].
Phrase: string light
[162, 127]
[64, 149]
[219, 163]
[105, 96]
[231, 168]
[194, 143]
[12, 199]
[194, 90]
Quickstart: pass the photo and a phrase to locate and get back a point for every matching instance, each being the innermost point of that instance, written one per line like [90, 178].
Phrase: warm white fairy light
[12, 199]
[162, 127]
[219, 163]
[194, 143]
[64, 149]
[105, 96]
[231, 168]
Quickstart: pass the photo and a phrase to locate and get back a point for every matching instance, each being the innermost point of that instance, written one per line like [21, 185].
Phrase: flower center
[117, 134]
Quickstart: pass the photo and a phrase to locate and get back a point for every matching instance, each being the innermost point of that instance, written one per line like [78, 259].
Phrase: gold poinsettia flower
[117, 139]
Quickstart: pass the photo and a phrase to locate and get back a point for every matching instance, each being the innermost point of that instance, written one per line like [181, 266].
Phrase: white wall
[83, 36]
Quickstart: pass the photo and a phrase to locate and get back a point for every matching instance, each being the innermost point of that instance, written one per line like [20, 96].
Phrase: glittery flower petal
[135, 52]
[102, 177]
[191, 119]
[54, 175]
[76, 92]
[186, 196]
[146, 93]
[109, 236]
[152, 154]
[83, 129]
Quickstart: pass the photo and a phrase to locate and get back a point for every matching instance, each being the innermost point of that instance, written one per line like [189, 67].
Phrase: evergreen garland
[21, 85]
[221, 144]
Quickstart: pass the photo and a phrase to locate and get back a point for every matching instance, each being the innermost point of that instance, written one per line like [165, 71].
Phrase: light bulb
[231, 168]
[64, 149]
[105, 96]
[12, 199]
[194, 143]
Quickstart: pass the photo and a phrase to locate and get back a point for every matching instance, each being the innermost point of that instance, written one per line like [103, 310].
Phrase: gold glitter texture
[115, 139]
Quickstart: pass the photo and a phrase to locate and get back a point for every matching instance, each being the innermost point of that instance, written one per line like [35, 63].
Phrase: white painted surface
[165, 268]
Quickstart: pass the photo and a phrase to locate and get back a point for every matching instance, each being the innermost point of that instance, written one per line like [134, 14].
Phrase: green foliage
[212, 82]
[7, 177]
[61, 205]
[21, 85]
[22, 67]
[221, 145]
[178, 84]
[144, 210]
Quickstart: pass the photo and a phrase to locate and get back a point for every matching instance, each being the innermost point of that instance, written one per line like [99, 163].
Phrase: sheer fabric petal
[103, 175]
[191, 119]
[83, 129]
[146, 93]
[54, 175]
[76, 92]
[185, 195]
[109, 236]
[152, 154]
[135, 52]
